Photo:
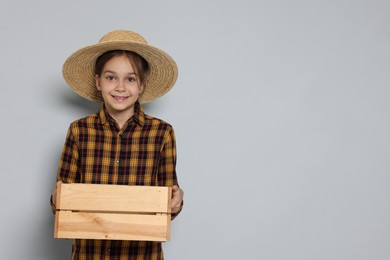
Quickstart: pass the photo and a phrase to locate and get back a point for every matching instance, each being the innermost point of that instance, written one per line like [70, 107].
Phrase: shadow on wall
[46, 245]
[68, 102]
[77, 103]
[59, 249]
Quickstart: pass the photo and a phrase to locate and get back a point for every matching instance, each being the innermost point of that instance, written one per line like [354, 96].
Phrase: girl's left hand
[177, 199]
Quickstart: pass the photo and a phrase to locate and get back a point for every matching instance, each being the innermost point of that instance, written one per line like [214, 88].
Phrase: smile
[120, 98]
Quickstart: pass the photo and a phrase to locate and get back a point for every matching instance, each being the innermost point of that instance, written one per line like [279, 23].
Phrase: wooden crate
[115, 212]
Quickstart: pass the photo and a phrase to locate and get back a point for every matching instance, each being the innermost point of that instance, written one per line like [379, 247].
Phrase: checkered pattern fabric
[143, 152]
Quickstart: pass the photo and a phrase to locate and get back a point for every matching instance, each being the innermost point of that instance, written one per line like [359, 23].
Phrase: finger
[175, 209]
[54, 195]
[175, 188]
[175, 201]
[54, 192]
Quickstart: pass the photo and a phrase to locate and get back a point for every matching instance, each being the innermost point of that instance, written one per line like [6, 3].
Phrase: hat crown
[123, 35]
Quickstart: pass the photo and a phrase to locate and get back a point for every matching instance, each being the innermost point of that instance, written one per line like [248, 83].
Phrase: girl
[120, 144]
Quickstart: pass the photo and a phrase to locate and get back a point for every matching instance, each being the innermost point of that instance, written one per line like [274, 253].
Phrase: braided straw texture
[78, 69]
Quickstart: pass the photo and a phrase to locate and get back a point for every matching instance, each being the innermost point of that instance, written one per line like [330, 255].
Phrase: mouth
[120, 98]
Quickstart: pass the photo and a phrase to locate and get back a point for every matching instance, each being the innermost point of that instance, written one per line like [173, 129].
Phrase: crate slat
[115, 198]
[87, 225]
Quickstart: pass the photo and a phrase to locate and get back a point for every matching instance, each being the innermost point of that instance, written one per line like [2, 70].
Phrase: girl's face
[120, 86]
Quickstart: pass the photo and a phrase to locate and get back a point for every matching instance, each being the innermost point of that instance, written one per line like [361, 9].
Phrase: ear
[97, 82]
[141, 89]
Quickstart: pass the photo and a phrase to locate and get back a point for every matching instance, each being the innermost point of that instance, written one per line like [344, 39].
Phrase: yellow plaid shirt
[143, 152]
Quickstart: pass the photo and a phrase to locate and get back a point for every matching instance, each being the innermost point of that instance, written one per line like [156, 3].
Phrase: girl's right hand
[54, 193]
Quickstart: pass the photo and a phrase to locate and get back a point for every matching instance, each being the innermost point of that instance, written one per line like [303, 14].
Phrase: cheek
[135, 90]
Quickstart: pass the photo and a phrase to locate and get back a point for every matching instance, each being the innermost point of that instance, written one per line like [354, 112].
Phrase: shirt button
[117, 161]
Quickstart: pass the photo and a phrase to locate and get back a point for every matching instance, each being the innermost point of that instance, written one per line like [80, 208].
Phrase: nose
[120, 87]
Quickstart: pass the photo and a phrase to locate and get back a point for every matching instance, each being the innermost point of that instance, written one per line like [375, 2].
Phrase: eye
[110, 77]
[132, 79]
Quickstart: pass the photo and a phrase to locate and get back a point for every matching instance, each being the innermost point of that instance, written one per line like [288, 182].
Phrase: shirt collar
[138, 117]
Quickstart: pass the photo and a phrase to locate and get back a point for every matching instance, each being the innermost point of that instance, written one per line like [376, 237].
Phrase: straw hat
[78, 69]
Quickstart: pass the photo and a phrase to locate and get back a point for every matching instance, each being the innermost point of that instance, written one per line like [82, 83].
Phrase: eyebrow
[113, 72]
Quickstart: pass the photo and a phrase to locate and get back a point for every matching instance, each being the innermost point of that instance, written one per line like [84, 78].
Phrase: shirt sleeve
[167, 165]
[69, 162]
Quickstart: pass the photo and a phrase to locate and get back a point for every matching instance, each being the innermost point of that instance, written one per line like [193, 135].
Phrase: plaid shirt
[143, 152]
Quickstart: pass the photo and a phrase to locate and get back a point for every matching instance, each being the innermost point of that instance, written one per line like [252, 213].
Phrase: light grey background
[281, 112]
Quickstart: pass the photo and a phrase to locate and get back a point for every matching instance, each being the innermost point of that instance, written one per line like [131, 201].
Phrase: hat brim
[78, 69]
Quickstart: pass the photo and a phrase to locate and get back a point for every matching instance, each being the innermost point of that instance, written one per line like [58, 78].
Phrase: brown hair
[139, 64]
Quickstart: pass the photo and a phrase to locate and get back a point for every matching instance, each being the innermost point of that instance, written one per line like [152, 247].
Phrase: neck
[121, 117]
[121, 120]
